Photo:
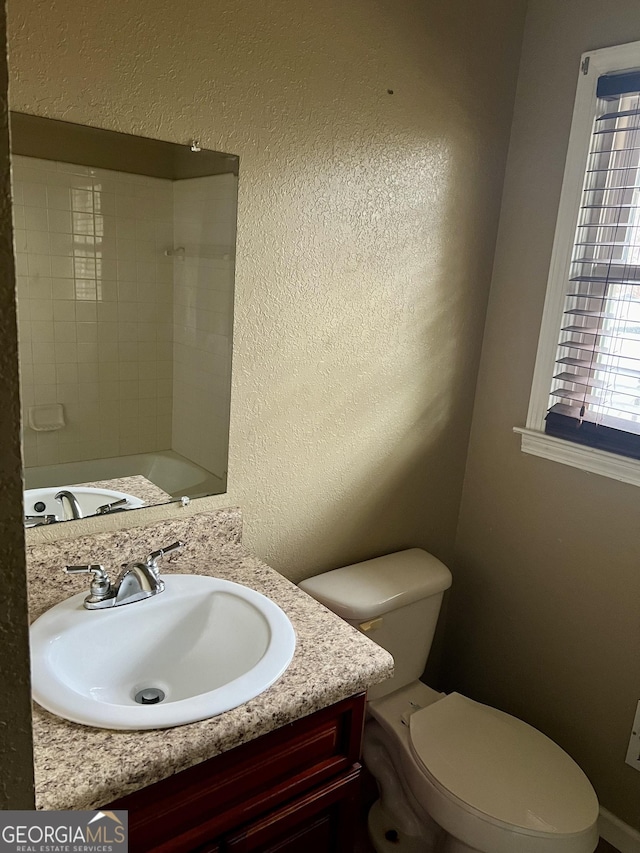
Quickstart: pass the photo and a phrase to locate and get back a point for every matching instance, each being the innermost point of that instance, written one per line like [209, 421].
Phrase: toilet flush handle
[371, 625]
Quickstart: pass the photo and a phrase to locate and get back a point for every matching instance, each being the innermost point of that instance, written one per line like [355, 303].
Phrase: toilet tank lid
[369, 589]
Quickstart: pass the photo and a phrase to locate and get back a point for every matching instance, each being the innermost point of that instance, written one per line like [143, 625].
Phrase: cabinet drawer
[182, 812]
[317, 822]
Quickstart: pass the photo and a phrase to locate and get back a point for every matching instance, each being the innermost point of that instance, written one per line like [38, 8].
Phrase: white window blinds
[595, 396]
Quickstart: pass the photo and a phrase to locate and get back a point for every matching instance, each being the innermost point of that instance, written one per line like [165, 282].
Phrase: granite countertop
[79, 767]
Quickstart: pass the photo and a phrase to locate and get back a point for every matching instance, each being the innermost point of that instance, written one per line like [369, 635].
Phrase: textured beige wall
[16, 770]
[544, 613]
[366, 232]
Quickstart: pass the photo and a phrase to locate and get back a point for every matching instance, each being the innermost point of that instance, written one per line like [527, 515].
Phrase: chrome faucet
[70, 505]
[136, 582]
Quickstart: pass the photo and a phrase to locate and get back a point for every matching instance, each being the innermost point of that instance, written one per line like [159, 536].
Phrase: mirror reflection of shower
[125, 251]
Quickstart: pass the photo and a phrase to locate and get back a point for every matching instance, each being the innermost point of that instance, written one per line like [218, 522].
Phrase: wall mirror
[125, 253]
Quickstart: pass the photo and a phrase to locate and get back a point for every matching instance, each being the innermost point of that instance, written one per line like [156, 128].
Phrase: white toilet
[454, 775]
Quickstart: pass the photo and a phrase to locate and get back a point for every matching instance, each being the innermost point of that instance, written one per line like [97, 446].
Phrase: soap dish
[46, 417]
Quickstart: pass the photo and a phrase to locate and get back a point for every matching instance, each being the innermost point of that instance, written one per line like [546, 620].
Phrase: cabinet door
[320, 821]
[179, 814]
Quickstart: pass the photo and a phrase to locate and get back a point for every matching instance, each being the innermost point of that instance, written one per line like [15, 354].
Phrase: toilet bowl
[454, 775]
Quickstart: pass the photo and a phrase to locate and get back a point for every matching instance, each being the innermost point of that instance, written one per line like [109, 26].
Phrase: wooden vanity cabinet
[294, 790]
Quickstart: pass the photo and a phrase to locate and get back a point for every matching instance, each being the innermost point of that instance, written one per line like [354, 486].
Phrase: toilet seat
[495, 768]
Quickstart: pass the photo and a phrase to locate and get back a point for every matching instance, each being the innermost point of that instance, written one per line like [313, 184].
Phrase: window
[585, 401]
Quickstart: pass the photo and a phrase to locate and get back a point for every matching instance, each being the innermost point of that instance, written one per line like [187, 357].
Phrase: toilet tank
[395, 600]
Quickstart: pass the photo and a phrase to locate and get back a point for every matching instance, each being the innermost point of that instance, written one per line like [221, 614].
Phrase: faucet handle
[100, 583]
[36, 520]
[105, 508]
[154, 556]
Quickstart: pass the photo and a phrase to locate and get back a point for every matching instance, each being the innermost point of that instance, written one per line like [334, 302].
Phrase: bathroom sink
[201, 647]
[43, 502]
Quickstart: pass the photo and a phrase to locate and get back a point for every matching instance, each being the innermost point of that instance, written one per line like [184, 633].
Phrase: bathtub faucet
[70, 505]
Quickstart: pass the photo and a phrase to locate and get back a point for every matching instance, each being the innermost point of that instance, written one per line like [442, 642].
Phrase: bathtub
[168, 470]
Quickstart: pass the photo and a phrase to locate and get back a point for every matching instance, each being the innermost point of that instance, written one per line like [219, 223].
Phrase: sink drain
[149, 696]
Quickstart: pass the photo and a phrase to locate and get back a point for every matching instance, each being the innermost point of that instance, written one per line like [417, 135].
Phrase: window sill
[578, 456]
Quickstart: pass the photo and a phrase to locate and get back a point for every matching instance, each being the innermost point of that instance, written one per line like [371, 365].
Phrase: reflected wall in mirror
[125, 253]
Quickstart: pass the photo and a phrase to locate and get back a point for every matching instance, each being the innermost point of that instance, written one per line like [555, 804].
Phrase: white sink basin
[207, 644]
[88, 498]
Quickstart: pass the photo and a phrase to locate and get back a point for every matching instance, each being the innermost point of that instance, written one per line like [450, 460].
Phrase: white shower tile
[64, 310]
[34, 194]
[39, 265]
[35, 218]
[61, 267]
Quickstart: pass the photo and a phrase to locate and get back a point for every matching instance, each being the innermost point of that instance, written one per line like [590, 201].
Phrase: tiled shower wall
[204, 236]
[95, 292]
